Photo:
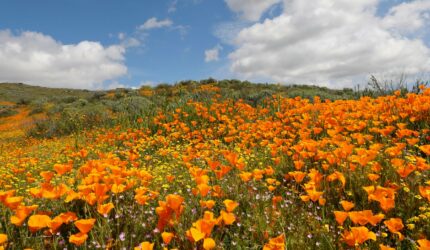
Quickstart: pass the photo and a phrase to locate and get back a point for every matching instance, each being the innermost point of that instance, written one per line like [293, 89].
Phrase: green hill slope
[23, 93]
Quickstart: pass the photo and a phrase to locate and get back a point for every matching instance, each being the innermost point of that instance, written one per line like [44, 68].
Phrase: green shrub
[6, 111]
[71, 120]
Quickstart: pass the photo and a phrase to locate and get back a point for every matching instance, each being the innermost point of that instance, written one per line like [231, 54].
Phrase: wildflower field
[223, 173]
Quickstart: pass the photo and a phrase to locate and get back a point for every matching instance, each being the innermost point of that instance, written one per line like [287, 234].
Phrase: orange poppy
[385, 196]
[346, 205]
[47, 175]
[277, 243]
[116, 189]
[78, 239]
[230, 205]
[209, 244]
[196, 234]
[364, 217]
[145, 246]
[174, 201]
[85, 225]
[13, 202]
[245, 176]
[373, 177]
[62, 168]
[424, 244]
[425, 192]
[203, 189]
[227, 218]
[21, 213]
[340, 216]
[358, 235]
[395, 225]
[105, 208]
[3, 238]
[337, 176]
[425, 149]
[297, 175]
[207, 204]
[37, 222]
[167, 237]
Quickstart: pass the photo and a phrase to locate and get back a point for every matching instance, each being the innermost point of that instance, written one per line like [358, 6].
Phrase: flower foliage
[220, 173]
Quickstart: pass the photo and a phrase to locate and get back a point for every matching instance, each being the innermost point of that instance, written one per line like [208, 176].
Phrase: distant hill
[23, 93]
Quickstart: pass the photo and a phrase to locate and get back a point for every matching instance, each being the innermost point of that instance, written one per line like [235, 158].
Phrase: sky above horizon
[96, 44]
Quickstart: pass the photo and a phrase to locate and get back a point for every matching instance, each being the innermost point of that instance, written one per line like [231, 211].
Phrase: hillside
[23, 93]
[49, 112]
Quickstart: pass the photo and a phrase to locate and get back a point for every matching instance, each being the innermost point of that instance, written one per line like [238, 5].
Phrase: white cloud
[212, 54]
[227, 31]
[408, 17]
[115, 85]
[153, 23]
[35, 58]
[148, 83]
[172, 6]
[331, 42]
[182, 30]
[128, 42]
[250, 9]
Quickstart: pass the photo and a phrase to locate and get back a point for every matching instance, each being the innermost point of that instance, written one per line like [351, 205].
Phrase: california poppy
[105, 208]
[230, 205]
[358, 235]
[78, 239]
[37, 222]
[167, 237]
[85, 225]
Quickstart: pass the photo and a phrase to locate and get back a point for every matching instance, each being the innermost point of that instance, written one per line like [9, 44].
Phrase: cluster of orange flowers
[191, 177]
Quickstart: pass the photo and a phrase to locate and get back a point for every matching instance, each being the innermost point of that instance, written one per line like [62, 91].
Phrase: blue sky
[165, 55]
[335, 45]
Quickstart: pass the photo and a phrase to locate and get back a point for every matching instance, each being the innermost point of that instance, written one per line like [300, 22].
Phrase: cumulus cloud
[36, 58]
[212, 54]
[332, 42]
[408, 17]
[154, 23]
[250, 9]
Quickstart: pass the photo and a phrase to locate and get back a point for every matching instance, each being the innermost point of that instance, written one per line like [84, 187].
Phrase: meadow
[215, 165]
